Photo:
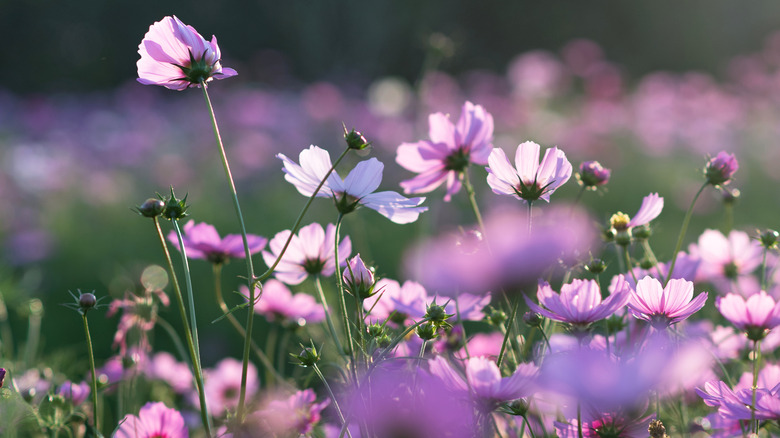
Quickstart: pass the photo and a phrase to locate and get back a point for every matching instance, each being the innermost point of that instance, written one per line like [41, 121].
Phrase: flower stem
[332, 397]
[530, 216]
[342, 294]
[94, 374]
[249, 267]
[628, 263]
[473, 199]
[509, 323]
[195, 359]
[328, 318]
[763, 270]
[683, 229]
[756, 359]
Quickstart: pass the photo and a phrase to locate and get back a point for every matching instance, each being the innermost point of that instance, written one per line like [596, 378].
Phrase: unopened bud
[769, 239]
[152, 207]
[426, 331]
[533, 319]
[355, 140]
[592, 174]
[719, 170]
[87, 301]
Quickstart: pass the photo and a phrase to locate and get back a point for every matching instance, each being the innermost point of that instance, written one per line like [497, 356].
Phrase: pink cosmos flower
[155, 420]
[664, 306]
[311, 252]
[290, 415]
[165, 367]
[448, 153]
[203, 242]
[721, 169]
[175, 56]
[391, 297]
[357, 189]
[358, 278]
[579, 302]
[725, 260]
[279, 304]
[756, 316]
[528, 180]
[222, 385]
[76, 393]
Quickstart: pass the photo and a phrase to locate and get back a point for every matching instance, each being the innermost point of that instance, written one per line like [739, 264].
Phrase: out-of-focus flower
[664, 306]
[32, 384]
[592, 175]
[358, 278]
[393, 299]
[203, 242]
[2, 376]
[153, 421]
[579, 302]
[175, 56]
[449, 152]
[139, 315]
[311, 252]
[756, 316]
[292, 415]
[279, 304]
[223, 383]
[355, 190]
[165, 367]
[721, 169]
[528, 180]
[598, 425]
[725, 260]
[621, 224]
[75, 392]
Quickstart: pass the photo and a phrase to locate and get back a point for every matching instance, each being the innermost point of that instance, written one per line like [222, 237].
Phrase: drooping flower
[720, 169]
[280, 304]
[529, 180]
[756, 316]
[592, 175]
[155, 420]
[175, 56]
[664, 306]
[579, 302]
[449, 152]
[311, 252]
[203, 242]
[356, 190]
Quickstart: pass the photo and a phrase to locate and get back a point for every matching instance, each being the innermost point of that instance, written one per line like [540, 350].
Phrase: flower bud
[87, 301]
[623, 238]
[719, 170]
[642, 232]
[375, 330]
[657, 429]
[152, 207]
[355, 140]
[646, 263]
[437, 314]
[592, 174]
[358, 278]
[596, 266]
[175, 208]
[518, 408]
[495, 317]
[533, 319]
[426, 331]
[307, 357]
[769, 239]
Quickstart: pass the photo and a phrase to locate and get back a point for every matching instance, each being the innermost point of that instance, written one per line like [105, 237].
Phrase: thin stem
[509, 323]
[332, 397]
[342, 294]
[756, 359]
[5, 330]
[683, 229]
[530, 429]
[194, 358]
[579, 420]
[763, 270]
[530, 216]
[473, 199]
[628, 263]
[328, 318]
[94, 374]
[577, 199]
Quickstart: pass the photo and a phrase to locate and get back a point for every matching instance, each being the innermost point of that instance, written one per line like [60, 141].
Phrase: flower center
[730, 270]
[619, 221]
[313, 266]
[457, 161]
[531, 191]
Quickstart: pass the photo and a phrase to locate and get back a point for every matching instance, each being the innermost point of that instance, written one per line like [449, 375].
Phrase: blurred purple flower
[579, 302]
[2, 376]
[175, 56]
[391, 297]
[76, 393]
[721, 169]
[528, 180]
[291, 415]
[591, 174]
[449, 152]
[756, 316]
[311, 252]
[725, 260]
[222, 385]
[279, 304]
[153, 421]
[664, 306]
[203, 242]
[163, 366]
[597, 425]
[355, 190]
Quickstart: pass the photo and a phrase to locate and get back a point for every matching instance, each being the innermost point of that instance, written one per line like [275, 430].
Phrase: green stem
[683, 229]
[763, 271]
[756, 359]
[579, 420]
[332, 397]
[328, 318]
[249, 267]
[628, 263]
[342, 295]
[94, 373]
[195, 359]
[508, 324]
[473, 199]
[5, 330]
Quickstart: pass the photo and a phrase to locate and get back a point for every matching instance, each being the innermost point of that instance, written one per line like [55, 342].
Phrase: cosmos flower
[356, 190]
[728, 259]
[165, 367]
[279, 304]
[664, 306]
[720, 169]
[153, 421]
[311, 252]
[203, 242]
[175, 56]
[222, 385]
[528, 180]
[295, 414]
[75, 392]
[446, 156]
[755, 316]
[591, 174]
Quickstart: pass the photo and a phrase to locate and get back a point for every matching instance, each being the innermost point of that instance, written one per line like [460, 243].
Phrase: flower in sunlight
[529, 180]
[154, 420]
[664, 306]
[281, 305]
[175, 56]
[202, 241]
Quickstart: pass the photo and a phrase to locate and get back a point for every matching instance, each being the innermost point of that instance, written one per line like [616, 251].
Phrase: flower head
[725, 259]
[444, 158]
[356, 190]
[222, 385]
[720, 169]
[664, 306]
[528, 180]
[175, 56]
[592, 174]
[279, 304]
[153, 421]
[163, 366]
[75, 392]
[291, 415]
[203, 242]
[311, 252]
[755, 316]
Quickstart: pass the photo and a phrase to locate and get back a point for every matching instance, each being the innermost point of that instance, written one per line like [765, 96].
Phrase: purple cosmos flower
[720, 169]
[448, 153]
[153, 421]
[355, 190]
[175, 56]
[222, 385]
[391, 297]
[528, 180]
[592, 174]
[579, 302]
[203, 242]
[279, 304]
[664, 306]
[75, 392]
[311, 252]
[727, 259]
[756, 316]
[296, 414]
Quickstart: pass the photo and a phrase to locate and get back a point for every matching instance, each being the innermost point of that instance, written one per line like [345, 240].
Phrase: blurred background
[648, 88]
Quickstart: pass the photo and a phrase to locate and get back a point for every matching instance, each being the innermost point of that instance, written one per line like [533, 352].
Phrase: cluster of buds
[170, 208]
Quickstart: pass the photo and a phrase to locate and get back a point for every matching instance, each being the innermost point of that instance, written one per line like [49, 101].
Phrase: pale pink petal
[441, 130]
[364, 178]
[394, 206]
[652, 205]
[527, 161]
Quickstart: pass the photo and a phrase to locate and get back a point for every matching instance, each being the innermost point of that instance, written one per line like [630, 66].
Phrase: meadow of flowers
[497, 289]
